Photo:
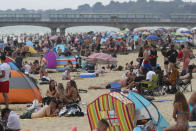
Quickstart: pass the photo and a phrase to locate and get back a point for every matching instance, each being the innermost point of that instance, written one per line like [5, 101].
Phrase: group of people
[135, 79]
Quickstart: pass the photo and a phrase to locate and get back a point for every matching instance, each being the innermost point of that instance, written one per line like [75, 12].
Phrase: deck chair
[150, 85]
[181, 86]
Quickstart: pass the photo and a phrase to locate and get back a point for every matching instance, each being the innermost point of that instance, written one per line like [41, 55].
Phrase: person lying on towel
[46, 111]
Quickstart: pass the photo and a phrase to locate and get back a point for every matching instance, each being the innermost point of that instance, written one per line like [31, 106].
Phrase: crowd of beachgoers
[176, 47]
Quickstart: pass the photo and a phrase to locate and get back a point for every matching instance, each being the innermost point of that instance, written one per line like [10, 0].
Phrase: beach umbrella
[178, 34]
[101, 58]
[3, 45]
[146, 33]
[193, 28]
[180, 30]
[188, 32]
[30, 43]
[154, 37]
[55, 37]
[173, 33]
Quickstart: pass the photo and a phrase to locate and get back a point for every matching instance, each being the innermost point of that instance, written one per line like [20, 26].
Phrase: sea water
[17, 30]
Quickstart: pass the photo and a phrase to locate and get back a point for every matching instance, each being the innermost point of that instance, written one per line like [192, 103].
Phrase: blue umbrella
[3, 45]
[30, 43]
[153, 37]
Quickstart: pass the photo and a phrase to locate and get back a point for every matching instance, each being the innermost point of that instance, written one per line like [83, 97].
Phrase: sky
[48, 4]
[53, 4]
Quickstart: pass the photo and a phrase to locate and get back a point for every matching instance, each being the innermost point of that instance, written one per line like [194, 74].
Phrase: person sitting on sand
[66, 75]
[181, 113]
[46, 111]
[102, 125]
[35, 67]
[61, 92]
[71, 92]
[11, 120]
[52, 92]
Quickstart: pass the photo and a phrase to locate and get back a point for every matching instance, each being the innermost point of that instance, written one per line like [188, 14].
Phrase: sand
[66, 123]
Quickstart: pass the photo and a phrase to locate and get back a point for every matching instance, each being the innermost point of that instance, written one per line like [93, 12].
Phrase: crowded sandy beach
[62, 80]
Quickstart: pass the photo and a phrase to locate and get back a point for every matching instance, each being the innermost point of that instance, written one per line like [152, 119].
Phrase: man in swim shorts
[146, 62]
[43, 64]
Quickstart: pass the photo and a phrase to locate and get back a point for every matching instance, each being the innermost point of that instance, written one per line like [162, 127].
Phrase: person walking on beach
[4, 79]
[43, 63]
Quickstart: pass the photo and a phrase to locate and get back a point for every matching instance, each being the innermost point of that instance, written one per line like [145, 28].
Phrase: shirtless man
[146, 62]
[46, 111]
[187, 54]
[43, 63]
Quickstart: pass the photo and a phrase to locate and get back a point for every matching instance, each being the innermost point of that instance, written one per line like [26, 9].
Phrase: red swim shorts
[4, 87]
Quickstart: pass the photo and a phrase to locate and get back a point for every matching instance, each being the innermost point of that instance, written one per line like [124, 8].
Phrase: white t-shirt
[149, 75]
[5, 67]
[27, 68]
[13, 122]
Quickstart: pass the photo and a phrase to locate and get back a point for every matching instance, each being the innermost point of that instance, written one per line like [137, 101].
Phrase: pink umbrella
[101, 58]
[54, 37]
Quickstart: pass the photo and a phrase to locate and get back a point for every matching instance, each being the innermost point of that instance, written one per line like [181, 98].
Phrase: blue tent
[147, 110]
[30, 43]
[154, 37]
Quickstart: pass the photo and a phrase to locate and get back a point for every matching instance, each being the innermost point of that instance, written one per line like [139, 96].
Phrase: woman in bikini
[181, 113]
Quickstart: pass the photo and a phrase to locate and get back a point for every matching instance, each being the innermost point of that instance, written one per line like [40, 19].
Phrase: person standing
[153, 57]
[19, 60]
[187, 54]
[146, 61]
[4, 79]
[172, 56]
[44, 64]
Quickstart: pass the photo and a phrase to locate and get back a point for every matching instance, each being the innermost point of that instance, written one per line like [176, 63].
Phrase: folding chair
[181, 86]
[150, 86]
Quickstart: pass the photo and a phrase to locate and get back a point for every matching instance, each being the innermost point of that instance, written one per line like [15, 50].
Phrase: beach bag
[73, 110]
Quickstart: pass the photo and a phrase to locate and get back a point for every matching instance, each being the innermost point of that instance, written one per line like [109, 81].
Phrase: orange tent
[22, 89]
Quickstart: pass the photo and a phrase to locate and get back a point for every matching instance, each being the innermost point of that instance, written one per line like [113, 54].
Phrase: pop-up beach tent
[117, 109]
[51, 59]
[22, 89]
[145, 109]
[63, 60]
